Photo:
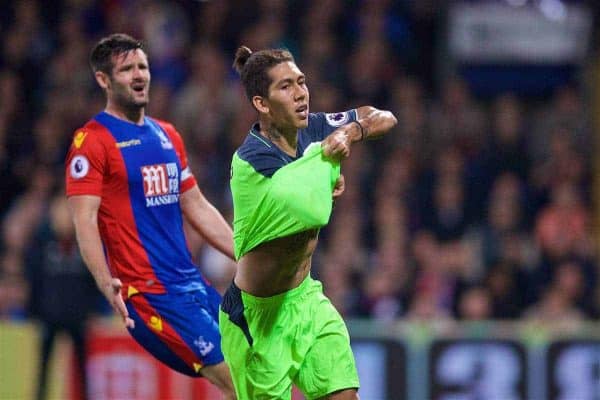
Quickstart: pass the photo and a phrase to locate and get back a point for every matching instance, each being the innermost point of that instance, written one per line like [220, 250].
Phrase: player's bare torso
[278, 265]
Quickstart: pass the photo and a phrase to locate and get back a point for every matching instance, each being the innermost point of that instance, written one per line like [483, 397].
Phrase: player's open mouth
[302, 111]
[139, 87]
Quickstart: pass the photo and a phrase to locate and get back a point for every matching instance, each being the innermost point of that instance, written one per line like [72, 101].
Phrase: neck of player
[285, 139]
[135, 115]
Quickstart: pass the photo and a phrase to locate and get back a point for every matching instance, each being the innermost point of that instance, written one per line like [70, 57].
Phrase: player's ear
[261, 104]
[102, 79]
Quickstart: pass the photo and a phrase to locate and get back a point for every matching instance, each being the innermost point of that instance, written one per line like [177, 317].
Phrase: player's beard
[126, 99]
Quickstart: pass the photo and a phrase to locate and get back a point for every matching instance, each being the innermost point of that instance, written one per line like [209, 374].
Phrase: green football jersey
[296, 198]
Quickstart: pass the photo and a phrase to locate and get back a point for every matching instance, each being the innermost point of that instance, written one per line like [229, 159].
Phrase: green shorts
[295, 337]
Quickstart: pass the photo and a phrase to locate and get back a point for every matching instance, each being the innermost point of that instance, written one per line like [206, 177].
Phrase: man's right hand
[112, 292]
[337, 144]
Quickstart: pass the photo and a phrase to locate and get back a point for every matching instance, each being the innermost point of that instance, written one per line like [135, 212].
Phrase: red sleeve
[86, 162]
[188, 180]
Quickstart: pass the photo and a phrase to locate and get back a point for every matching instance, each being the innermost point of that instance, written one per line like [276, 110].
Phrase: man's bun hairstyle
[242, 55]
[254, 67]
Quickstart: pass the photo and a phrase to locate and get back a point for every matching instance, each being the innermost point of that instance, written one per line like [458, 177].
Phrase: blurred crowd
[472, 208]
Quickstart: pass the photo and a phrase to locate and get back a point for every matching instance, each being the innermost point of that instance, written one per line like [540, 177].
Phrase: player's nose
[301, 93]
[138, 73]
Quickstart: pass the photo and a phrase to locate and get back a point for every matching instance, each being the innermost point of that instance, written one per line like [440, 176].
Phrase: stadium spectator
[62, 291]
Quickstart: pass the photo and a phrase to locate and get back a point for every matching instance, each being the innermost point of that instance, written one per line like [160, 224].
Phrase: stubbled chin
[141, 100]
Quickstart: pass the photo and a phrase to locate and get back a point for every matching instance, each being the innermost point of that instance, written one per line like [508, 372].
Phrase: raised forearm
[207, 221]
[371, 123]
[374, 123]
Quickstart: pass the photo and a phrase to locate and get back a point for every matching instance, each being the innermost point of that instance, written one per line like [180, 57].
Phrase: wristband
[362, 130]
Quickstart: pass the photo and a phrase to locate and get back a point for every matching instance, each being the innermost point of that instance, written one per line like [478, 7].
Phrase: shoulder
[254, 148]
[260, 155]
[174, 136]
[92, 134]
[89, 149]
[95, 128]
[166, 126]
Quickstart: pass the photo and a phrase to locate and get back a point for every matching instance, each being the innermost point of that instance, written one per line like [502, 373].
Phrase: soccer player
[277, 327]
[129, 187]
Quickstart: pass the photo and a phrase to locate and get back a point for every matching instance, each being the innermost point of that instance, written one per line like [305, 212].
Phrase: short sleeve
[321, 125]
[86, 163]
[188, 180]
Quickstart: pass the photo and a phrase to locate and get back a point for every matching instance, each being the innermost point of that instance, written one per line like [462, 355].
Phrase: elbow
[393, 120]
[381, 121]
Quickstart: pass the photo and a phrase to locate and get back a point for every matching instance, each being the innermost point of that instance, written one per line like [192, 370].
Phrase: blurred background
[464, 251]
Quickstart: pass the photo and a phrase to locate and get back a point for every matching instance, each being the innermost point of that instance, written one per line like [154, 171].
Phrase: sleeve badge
[79, 138]
[337, 119]
[79, 167]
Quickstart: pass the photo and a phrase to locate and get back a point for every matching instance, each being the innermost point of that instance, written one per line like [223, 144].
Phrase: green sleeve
[295, 199]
